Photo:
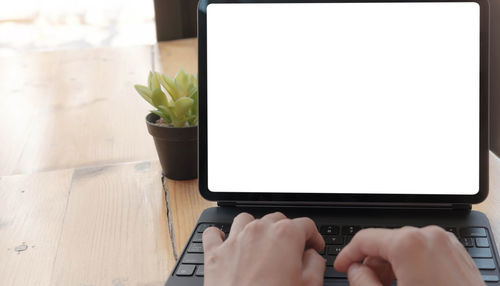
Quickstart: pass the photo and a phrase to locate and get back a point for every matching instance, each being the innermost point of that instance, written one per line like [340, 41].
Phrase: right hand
[413, 256]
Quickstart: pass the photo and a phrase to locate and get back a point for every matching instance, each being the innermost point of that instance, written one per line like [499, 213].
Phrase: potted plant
[174, 122]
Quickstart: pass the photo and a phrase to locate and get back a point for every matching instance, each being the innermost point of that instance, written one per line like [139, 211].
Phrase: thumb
[313, 267]
[362, 275]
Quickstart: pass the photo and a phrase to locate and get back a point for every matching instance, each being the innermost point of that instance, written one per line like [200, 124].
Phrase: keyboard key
[482, 242]
[329, 229]
[350, 229]
[185, 270]
[333, 239]
[197, 237]
[200, 271]
[192, 258]
[195, 248]
[201, 228]
[332, 273]
[333, 250]
[485, 264]
[329, 260]
[479, 252]
[468, 241]
[490, 278]
[473, 232]
[224, 227]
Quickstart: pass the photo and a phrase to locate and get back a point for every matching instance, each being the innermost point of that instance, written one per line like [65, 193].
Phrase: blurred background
[34, 25]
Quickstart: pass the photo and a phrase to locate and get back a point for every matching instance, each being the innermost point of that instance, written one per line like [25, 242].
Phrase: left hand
[273, 250]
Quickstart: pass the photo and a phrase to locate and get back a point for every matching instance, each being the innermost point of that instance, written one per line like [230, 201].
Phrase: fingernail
[353, 268]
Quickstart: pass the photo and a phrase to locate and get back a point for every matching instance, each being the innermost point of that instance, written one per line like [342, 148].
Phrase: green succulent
[182, 108]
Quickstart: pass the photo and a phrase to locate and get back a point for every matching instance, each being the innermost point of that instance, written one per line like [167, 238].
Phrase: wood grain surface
[115, 228]
[185, 205]
[103, 225]
[80, 185]
[82, 201]
[170, 57]
[32, 210]
[67, 109]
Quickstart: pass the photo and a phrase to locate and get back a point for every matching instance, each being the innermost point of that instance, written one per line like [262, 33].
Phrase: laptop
[355, 114]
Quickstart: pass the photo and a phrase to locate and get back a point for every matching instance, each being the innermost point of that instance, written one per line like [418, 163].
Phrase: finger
[367, 242]
[362, 275]
[313, 238]
[212, 237]
[469, 265]
[453, 249]
[239, 222]
[313, 267]
[382, 268]
[459, 250]
[448, 243]
[273, 217]
[462, 255]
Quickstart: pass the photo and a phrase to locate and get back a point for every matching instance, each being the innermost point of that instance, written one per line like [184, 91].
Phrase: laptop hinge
[463, 208]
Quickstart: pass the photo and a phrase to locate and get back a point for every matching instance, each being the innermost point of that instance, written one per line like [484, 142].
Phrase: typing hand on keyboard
[414, 256]
[272, 250]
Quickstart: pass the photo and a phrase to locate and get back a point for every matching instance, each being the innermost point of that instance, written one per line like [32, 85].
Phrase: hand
[272, 250]
[425, 256]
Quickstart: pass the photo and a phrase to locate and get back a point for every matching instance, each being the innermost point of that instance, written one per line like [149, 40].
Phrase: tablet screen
[361, 98]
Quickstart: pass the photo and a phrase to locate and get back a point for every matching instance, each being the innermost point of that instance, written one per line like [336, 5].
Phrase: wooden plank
[74, 108]
[115, 231]
[19, 84]
[185, 206]
[32, 209]
[491, 206]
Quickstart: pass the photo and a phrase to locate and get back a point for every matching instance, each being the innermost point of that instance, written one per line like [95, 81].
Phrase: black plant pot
[177, 149]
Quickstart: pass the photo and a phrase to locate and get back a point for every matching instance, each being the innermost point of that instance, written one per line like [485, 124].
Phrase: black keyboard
[476, 240]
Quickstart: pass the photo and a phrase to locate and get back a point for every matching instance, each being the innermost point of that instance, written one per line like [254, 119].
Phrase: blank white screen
[343, 98]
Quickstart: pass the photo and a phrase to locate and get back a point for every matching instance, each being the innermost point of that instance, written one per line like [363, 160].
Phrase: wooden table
[82, 200]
